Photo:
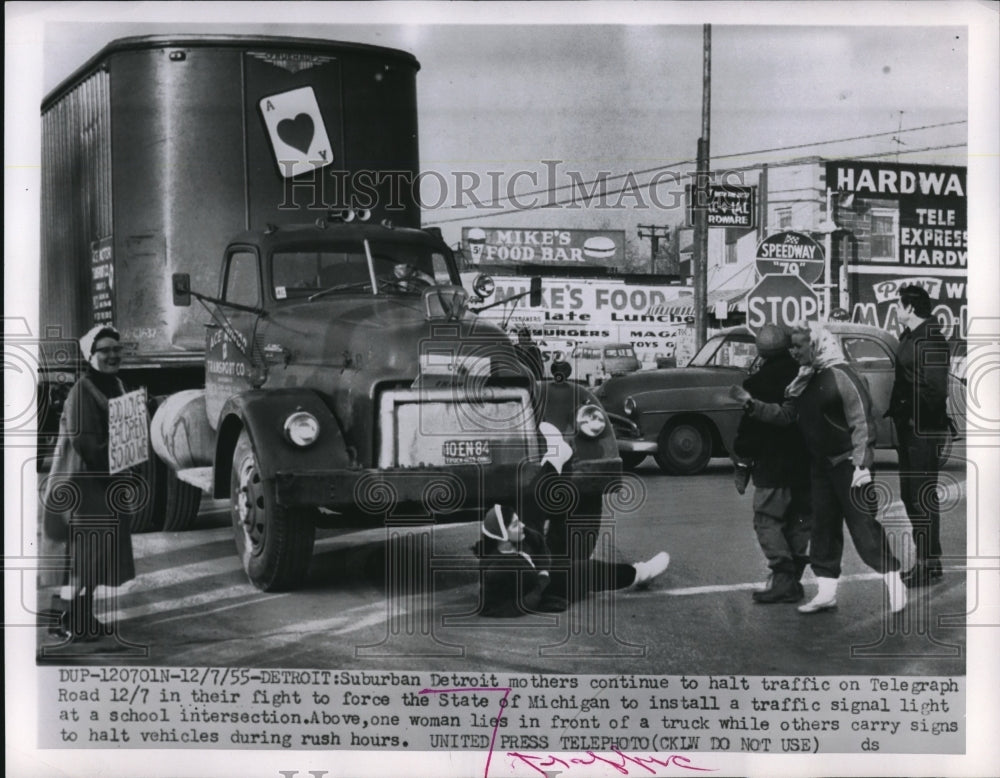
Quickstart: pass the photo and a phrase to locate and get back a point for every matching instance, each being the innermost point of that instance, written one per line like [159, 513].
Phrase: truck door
[228, 348]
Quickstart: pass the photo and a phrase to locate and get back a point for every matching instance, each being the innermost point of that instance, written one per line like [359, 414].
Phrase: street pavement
[191, 604]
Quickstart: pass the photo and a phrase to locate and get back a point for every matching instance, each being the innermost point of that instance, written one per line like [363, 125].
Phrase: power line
[677, 163]
[633, 188]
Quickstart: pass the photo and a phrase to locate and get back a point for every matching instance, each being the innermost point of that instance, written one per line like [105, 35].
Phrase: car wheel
[274, 546]
[631, 459]
[685, 446]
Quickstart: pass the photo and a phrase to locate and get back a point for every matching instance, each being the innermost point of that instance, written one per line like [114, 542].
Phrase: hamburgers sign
[790, 253]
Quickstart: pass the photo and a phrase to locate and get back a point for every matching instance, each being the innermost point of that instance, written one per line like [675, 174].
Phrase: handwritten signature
[621, 762]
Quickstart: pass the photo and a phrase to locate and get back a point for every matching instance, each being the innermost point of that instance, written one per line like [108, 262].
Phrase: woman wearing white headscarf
[833, 410]
[80, 485]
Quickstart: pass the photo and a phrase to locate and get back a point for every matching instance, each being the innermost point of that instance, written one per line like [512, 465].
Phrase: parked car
[684, 416]
[594, 363]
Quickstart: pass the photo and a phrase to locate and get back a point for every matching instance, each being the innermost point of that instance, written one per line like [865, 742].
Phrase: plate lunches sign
[128, 431]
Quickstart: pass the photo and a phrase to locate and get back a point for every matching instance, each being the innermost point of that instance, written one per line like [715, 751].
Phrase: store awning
[720, 304]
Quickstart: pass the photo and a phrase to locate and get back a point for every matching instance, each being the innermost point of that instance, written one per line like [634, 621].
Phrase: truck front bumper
[375, 493]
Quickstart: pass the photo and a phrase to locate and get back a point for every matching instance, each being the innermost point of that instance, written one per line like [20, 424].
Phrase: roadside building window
[730, 253]
[885, 226]
[784, 217]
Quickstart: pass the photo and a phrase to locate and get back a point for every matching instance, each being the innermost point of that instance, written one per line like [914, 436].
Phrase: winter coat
[778, 453]
[79, 489]
[834, 414]
[920, 391]
[513, 576]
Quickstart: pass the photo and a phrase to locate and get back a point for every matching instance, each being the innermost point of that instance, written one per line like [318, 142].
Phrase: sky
[608, 96]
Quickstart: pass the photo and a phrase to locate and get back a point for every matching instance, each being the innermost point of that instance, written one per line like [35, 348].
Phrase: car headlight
[629, 405]
[590, 421]
[302, 428]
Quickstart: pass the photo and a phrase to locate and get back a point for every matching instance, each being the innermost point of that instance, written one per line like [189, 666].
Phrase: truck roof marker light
[270, 229]
[363, 214]
[387, 223]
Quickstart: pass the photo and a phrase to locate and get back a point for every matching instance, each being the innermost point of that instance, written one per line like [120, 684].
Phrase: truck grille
[444, 427]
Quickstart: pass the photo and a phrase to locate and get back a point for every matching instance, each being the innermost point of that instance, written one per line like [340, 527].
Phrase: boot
[897, 591]
[784, 588]
[83, 625]
[645, 572]
[825, 599]
[61, 629]
[766, 585]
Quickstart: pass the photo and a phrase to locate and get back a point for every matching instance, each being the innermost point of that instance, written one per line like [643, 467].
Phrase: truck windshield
[399, 269]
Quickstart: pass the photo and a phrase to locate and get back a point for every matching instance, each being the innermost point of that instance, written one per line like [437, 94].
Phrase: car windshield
[398, 268]
[735, 349]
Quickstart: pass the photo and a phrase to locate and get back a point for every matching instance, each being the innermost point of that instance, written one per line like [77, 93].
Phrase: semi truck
[238, 208]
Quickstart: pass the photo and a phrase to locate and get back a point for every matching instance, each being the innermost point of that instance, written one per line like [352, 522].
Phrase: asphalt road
[192, 606]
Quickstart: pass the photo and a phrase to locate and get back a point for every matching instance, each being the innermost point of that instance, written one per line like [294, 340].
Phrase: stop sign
[781, 299]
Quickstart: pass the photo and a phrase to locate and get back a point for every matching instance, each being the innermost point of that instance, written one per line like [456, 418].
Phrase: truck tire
[274, 546]
[170, 505]
[685, 446]
[148, 517]
[181, 502]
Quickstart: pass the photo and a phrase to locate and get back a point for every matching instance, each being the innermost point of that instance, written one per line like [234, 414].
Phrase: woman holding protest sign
[80, 493]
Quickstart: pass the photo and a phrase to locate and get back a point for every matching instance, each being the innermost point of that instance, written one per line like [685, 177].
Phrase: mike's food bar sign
[519, 245]
[909, 226]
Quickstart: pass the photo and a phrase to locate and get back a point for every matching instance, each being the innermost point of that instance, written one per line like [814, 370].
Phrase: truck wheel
[275, 547]
[148, 517]
[631, 459]
[685, 446]
[171, 505]
[181, 502]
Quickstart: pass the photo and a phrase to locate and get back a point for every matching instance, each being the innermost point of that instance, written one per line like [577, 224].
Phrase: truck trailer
[337, 374]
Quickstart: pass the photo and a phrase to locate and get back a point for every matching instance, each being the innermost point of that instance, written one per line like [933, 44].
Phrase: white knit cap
[90, 338]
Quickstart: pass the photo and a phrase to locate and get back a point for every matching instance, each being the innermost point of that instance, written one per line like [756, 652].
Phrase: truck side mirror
[182, 289]
[535, 298]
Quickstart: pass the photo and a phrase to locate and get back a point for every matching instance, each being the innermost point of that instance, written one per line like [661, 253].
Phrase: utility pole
[656, 234]
[701, 200]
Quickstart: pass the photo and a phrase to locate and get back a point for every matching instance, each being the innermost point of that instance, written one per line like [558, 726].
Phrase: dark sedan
[685, 416]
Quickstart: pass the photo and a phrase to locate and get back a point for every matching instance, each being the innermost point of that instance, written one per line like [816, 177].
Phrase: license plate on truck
[467, 452]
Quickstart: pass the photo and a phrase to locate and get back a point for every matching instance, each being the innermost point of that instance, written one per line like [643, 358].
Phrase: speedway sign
[791, 253]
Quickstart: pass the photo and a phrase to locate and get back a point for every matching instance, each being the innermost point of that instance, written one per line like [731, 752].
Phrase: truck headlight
[629, 405]
[590, 421]
[302, 428]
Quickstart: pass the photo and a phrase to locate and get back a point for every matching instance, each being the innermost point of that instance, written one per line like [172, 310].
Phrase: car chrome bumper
[637, 446]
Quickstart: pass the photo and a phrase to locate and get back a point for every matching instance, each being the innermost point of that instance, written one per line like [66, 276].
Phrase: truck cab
[347, 379]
